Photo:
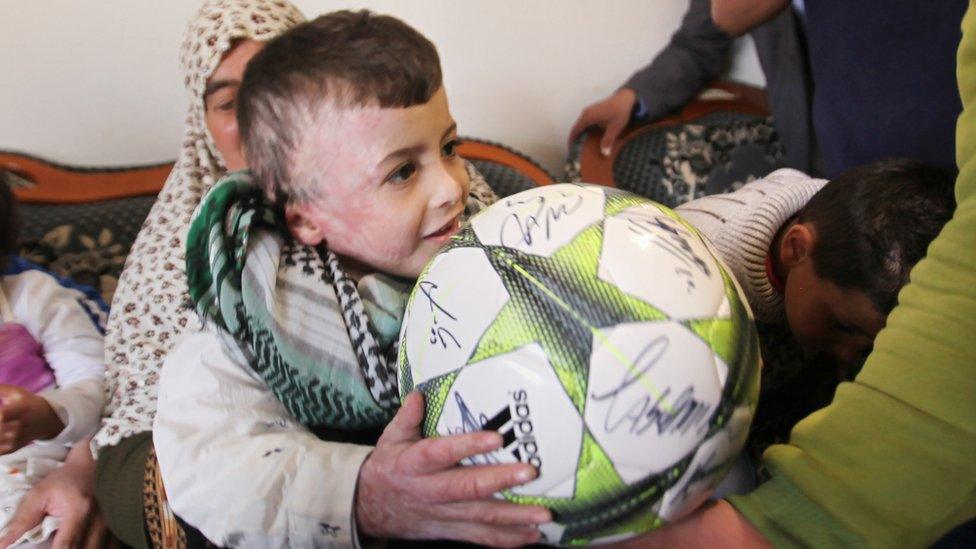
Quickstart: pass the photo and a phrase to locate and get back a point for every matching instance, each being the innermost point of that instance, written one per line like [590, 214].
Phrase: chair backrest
[80, 222]
[506, 170]
[717, 142]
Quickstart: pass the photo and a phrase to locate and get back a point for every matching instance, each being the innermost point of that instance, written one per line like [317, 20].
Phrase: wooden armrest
[721, 96]
[47, 182]
[474, 149]
[42, 181]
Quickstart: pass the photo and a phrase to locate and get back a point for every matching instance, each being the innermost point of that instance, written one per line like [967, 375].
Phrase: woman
[150, 309]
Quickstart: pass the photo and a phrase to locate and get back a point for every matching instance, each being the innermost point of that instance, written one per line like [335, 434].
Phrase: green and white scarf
[325, 346]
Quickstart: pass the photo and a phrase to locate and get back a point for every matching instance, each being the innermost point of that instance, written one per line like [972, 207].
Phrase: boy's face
[391, 188]
[826, 318]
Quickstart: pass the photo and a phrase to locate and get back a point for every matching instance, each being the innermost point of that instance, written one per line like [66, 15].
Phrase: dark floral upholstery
[502, 179]
[716, 153]
[87, 243]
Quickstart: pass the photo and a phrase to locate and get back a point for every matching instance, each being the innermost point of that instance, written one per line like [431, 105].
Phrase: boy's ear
[302, 224]
[797, 245]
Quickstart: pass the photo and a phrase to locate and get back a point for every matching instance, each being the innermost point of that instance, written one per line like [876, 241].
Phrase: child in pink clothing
[51, 372]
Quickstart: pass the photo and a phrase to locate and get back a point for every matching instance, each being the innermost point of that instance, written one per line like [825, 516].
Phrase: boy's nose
[449, 189]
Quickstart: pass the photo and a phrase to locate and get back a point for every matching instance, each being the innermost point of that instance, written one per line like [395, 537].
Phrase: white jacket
[235, 463]
[73, 348]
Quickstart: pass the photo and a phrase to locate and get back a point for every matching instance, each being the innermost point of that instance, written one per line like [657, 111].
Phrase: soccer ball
[600, 335]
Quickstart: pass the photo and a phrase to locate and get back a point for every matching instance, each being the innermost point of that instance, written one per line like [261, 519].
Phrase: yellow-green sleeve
[892, 461]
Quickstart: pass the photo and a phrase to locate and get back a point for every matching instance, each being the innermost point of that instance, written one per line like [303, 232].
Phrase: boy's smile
[388, 188]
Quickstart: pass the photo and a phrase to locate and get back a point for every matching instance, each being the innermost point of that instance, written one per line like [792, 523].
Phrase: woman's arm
[66, 494]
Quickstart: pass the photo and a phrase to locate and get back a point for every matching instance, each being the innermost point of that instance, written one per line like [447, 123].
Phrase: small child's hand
[24, 418]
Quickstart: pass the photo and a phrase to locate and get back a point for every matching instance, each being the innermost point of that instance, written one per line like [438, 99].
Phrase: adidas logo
[517, 431]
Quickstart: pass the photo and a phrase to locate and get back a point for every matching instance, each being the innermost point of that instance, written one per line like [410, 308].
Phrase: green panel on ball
[435, 398]
[618, 201]
[595, 476]
[403, 369]
[718, 333]
[642, 521]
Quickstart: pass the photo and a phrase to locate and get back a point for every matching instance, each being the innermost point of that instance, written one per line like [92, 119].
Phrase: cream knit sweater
[742, 225]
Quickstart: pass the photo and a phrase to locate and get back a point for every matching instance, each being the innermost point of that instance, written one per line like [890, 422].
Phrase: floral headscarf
[151, 306]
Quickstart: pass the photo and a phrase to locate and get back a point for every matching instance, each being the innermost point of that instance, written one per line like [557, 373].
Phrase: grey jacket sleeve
[697, 54]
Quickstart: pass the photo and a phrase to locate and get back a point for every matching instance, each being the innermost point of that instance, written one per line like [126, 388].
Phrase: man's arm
[697, 54]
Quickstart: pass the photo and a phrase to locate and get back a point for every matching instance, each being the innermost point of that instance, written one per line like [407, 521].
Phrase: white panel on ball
[541, 220]
[456, 300]
[518, 395]
[712, 461]
[653, 257]
[650, 395]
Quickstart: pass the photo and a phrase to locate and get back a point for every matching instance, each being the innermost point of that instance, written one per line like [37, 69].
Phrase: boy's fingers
[479, 482]
[405, 425]
[436, 454]
[495, 512]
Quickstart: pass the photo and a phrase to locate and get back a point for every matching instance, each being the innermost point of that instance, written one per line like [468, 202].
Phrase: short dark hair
[347, 58]
[9, 221]
[874, 222]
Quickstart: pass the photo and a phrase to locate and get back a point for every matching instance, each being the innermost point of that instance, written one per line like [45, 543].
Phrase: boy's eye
[226, 106]
[450, 148]
[402, 173]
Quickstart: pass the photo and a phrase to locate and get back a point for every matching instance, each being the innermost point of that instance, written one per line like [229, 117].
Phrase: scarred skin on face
[220, 100]
[388, 186]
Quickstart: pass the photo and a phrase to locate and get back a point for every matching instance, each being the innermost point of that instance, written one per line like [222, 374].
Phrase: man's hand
[612, 114]
[714, 524]
[24, 418]
[66, 493]
[411, 487]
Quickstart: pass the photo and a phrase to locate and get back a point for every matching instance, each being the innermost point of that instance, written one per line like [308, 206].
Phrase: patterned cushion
[506, 170]
[716, 153]
[502, 179]
[87, 243]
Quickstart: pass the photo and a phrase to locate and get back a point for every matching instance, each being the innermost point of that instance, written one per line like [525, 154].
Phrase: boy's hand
[612, 114]
[24, 418]
[411, 487]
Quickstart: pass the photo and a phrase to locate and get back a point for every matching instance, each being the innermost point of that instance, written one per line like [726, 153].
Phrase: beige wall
[98, 82]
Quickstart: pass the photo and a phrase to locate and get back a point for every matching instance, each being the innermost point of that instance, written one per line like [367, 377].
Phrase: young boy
[301, 271]
[51, 372]
[821, 264]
